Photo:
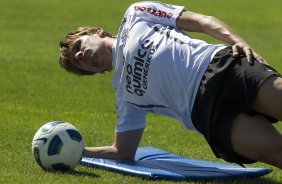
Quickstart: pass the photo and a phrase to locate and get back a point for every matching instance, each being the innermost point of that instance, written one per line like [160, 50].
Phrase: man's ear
[100, 33]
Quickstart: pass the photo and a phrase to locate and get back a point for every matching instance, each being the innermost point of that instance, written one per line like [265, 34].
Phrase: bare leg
[255, 138]
[269, 98]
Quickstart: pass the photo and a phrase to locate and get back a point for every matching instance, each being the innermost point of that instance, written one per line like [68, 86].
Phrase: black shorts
[228, 87]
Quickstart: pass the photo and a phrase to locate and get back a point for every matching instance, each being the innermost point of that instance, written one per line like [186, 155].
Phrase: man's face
[86, 53]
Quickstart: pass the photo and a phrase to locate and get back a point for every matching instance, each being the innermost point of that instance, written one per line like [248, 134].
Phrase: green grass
[35, 90]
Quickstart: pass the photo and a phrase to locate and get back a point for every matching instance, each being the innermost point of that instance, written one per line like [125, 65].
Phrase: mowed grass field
[35, 90]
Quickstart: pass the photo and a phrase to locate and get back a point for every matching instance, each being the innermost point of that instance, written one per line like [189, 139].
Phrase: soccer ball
[57, 146]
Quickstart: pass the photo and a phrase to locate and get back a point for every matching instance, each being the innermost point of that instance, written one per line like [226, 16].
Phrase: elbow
[212, 26]
[207, 21]
[125, 155]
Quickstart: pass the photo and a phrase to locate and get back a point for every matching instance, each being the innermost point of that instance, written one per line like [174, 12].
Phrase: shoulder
[155, 9]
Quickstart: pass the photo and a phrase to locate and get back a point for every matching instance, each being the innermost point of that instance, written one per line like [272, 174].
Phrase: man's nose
[79, 56]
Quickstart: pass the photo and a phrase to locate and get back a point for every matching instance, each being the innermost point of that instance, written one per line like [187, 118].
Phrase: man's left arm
[194, 22]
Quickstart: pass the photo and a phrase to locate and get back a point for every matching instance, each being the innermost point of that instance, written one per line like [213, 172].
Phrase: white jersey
[158, 68]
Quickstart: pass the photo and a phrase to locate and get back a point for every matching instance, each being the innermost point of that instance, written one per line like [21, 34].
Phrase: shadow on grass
[76, 173]
[247, 181]
[237, 181]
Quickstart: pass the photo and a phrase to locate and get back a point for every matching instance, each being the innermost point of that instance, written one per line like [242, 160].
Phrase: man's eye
[78, 45]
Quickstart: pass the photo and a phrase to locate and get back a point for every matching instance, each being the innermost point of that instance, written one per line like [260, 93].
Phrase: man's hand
[245, 49]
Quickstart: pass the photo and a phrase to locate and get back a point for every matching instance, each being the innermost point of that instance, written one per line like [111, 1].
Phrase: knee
[269, 98]
[278, 84]
[272, 156]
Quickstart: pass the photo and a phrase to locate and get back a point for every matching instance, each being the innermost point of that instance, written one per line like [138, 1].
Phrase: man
[228, 94]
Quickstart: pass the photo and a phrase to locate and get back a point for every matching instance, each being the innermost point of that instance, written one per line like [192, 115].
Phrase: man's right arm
[124, 147]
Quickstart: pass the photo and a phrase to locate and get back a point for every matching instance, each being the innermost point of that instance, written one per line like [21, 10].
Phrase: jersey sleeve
[158, 12]
[129, 116]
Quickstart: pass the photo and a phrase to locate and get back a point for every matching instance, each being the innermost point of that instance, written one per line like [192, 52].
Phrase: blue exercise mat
[154, 163]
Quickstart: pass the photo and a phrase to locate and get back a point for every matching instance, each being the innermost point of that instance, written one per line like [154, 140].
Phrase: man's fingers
[249, 53]
[260, 59]
[243, 48]
[235, 50]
